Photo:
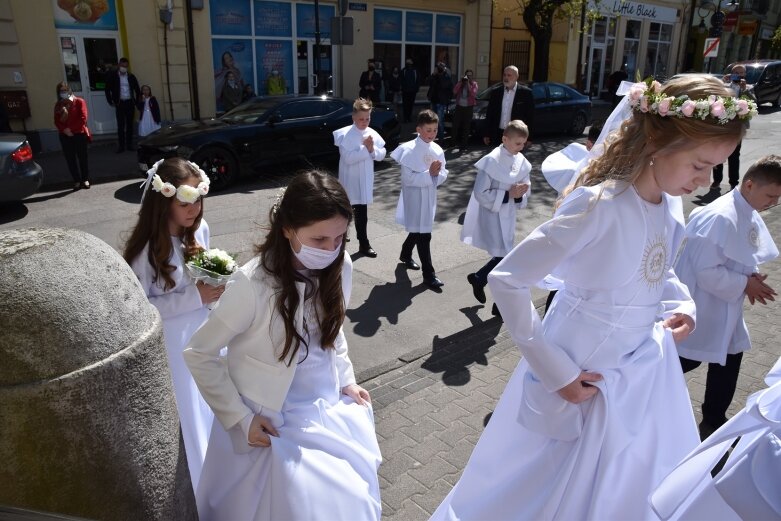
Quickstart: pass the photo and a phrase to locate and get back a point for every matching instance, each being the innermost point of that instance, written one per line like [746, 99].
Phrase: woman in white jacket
[295, 438]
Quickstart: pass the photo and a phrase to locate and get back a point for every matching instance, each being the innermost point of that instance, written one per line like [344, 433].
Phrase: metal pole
[341, 56]
[317, 45]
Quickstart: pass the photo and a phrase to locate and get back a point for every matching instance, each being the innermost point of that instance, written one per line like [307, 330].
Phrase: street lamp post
[717, 21]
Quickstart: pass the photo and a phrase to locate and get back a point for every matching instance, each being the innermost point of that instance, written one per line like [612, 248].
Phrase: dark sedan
[260, 132]
[20, 176]
[558, 109]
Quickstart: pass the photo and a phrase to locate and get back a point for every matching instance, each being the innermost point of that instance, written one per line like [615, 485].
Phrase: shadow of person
[709, 197]
[452, 355]
[13, 211]
[47, 197]
[385, 300]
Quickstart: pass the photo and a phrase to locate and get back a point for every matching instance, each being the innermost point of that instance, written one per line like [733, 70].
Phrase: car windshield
[753, 72]
[250, 111]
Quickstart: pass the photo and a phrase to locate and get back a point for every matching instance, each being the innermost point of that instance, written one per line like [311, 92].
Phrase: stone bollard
[88, 421]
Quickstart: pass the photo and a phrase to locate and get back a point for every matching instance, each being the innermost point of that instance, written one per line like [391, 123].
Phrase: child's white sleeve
[713, 276]
[172, 303]
[489, 198]
[676, 297]
[356, 155]
[418, 179]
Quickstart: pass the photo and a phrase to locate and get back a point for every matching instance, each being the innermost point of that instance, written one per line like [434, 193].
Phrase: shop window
[631, 45]
[658, 52]
[449, 56]
[517, 52]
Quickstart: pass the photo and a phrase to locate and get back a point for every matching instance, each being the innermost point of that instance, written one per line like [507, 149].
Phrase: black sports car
[260, 132]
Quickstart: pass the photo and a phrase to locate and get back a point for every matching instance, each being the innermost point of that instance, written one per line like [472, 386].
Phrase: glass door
[596, 64]
[309, 82]
[87, 59]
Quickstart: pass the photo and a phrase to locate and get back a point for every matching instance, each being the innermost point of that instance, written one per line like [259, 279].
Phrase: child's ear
[286, 232]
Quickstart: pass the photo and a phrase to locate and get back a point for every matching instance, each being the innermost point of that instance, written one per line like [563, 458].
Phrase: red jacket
[76, 119]
[470, 97]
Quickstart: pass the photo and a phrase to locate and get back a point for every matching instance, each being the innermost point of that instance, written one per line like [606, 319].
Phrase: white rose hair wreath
[184, 193]
[647, 97]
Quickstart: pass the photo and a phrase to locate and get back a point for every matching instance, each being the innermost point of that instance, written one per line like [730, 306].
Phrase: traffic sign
[711, 49]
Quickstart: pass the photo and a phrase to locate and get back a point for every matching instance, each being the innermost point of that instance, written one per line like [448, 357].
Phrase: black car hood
[179, 131]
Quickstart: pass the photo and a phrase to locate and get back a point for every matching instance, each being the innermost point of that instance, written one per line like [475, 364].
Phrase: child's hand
[757, 290]
[434, 168]
[369, 144]
[680, 324]
[580, 390]
[259, 430]
[357, 393]
[209, 293]
[517, 190]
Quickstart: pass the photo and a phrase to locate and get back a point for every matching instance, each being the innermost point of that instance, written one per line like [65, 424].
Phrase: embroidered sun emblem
[654, 259]
[753, 237]
[428, 159]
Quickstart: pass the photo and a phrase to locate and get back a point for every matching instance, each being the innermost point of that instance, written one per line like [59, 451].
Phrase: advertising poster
[419, 26]
[387, 25]
[230, 17]
[230, 56]
[85, 14]
[273, 19]
[274, 55]
[305, 20]
[448, 29]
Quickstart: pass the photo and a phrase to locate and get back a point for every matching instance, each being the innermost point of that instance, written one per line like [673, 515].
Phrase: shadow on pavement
[452, 355]
[10, 212]
[709, 197]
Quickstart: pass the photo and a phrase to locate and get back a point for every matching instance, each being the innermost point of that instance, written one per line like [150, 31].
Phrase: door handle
[314, 81]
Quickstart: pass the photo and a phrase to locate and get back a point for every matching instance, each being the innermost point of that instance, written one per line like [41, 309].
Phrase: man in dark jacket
[513, 101]
[122, 91]
[410, 84]
[370, 84]
[440, 91]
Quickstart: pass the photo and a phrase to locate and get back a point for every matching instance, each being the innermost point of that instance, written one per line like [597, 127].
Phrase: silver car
[20, 176]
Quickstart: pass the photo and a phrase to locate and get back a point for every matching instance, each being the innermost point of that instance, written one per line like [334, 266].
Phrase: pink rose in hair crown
[636, 92]
[644, 104]
[687, 108]
[717, 109]
[656, 87]
[742, 106]
[664, 106]
[168, 190]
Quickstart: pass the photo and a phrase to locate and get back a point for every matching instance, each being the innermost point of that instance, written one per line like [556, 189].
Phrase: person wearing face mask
[70, 118]
[275, 84]
[370, 84]
[122, 91]
[410, 84]
[291, 416]
[231, 92]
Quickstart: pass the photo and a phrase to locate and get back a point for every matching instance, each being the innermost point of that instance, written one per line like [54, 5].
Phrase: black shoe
[478, 290]
[119, 150]
[433, 282]
[410, 264]
[715, 186]
[495, 311]
[706, 429]
[85, 184]
[367, 251]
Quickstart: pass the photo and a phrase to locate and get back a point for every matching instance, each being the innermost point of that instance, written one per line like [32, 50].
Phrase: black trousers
[734, 169]
[74, 148]
[482, 274]
[423, 242]
[462, 124]
[407, 102]
[720, 387]
[361, 219]
[125, 110]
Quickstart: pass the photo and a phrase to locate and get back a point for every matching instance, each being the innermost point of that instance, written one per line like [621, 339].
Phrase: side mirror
[274, 118]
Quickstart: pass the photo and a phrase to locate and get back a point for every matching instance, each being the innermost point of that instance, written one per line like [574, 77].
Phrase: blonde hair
[362, 105]
[516, 127]
[643, 135]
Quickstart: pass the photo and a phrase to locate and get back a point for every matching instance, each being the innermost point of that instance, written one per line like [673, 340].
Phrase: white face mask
[315, 258]
[123, 70]
[64, 95]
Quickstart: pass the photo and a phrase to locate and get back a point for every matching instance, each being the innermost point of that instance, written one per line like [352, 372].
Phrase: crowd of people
[274, 423]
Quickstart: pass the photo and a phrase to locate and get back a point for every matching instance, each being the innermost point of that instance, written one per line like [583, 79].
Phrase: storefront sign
[387, 25]
[273, 19]
[419, 26]
[16, 103]
[305, 20]
[747, 27]
[730, 21]
[357, 6]
[230, 17]
[637, 10]
[96, 15]
[448, 29]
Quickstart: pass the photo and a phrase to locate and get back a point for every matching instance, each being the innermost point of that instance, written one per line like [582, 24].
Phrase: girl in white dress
[295, 438]
[170, 229]
[597, 412]
[150, 112]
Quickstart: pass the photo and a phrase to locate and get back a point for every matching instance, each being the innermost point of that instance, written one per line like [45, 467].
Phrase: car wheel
[219, 164]
[578, 124]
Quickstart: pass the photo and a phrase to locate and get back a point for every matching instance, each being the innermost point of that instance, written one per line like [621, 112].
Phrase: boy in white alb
[422, 171]
[501, 187]
[359, 146]
[726, 241]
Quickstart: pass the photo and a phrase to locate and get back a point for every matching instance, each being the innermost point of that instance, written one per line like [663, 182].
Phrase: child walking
[422, 171]
[359, 147]
[597, 411]
[295, 437]
[150, 112]
[501, 187]
[171, 229]
[726, 242]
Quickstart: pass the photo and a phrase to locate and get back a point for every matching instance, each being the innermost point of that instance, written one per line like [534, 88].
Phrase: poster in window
[419, 26]
[85, 14]
[273, 19]
[230, 17]
[230, 56]
[305, 20]
[387, 25]
[448, 29]
[274, 56]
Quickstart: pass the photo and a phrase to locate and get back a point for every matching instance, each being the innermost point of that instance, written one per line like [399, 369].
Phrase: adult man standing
[122, 91]
[410, 84]
[736, 81]
[440, 91]
[513, 101]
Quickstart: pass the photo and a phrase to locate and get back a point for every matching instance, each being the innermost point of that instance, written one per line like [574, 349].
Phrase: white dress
[541, 457]
[183, 313]
[356, 163]
[418, 198]
[323, 465]
[147, 123]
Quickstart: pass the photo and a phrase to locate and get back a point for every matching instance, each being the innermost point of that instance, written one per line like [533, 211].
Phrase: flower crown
[184, 193]
[647, 96]
[278, 200]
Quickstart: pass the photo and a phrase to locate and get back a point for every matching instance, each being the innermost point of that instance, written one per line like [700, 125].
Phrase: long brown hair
[310, 197]
[644, 134]
[153, 223]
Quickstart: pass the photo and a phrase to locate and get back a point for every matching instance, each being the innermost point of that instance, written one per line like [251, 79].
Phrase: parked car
[20, 176]
[763, 78]
[558, 108]
[260, 132]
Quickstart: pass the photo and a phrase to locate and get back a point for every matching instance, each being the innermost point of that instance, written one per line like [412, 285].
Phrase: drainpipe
[196, 105]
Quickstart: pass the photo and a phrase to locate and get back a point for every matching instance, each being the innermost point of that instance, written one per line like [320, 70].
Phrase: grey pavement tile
[448, 414]
[459, 454]
[393, 444]
[423, 428]
[397, 465]
[387, 398]
[402, 489]
[391, 421]
[456, 432]
[436, 493]
[420, 384]
[418, 409]
[426, 450]
[409, 511]
[436, 468]
[442, 395]
[404, 380]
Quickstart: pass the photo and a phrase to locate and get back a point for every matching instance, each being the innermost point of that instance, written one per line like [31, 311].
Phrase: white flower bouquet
[214, 266]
